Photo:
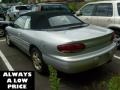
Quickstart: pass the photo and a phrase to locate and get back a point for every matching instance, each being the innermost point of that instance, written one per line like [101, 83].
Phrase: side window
[28, 23]
[0, 9]
[88, 10]
[118, 6]
[104, 9]
[20, 22]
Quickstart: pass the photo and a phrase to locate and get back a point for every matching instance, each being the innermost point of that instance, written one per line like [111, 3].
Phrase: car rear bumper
[79, 63]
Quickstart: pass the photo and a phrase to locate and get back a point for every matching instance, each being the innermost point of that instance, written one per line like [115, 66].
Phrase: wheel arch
[44, 69]
[115, 28]
[31, 47]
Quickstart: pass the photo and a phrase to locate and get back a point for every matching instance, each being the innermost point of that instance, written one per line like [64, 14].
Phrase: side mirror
[72, 11]
[78, 13]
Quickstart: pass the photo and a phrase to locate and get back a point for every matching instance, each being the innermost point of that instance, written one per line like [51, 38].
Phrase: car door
[16, 30]
[104, 14]
[24, 38]
[85, 13]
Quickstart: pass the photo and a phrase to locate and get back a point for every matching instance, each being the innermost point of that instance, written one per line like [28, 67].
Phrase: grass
[114, 83]
[54, 80]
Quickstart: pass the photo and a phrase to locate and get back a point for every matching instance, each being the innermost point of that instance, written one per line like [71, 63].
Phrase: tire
[118, 41]
[38, 62]
[2, 32]
[117, 36]
[8, 41]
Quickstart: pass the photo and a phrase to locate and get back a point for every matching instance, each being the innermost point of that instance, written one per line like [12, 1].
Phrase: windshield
[54, 8]
[22, 8]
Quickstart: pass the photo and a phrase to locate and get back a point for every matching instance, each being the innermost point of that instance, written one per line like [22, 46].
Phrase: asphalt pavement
[88, 80]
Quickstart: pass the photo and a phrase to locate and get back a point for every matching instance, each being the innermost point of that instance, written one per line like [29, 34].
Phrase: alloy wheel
[36, 60]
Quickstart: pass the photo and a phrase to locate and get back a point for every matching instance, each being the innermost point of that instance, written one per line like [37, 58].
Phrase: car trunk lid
[94, 38]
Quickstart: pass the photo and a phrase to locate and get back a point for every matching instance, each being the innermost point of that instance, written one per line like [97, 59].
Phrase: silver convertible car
[61, 40]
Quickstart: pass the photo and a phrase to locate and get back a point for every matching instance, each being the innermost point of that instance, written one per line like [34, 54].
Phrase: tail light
[69, 48]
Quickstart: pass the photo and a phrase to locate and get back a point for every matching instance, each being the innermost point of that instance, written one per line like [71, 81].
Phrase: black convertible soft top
[39, 20]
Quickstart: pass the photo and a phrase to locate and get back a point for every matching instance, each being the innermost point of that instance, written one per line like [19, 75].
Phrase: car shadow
[95, 79]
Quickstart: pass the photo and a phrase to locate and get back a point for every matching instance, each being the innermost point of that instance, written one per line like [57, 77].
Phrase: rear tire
[38, 62]
[118, 41]
[2, 32]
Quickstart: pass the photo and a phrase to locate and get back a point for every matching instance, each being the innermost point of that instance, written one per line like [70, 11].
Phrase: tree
[9, 1]
[5, 1]
[24, 1]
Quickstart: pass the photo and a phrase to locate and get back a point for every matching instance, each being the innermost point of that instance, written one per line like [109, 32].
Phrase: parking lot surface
[81, 81]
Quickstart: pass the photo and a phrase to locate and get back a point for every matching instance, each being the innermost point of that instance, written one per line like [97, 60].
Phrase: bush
[75, 5]
[114, 83]
[54, 81]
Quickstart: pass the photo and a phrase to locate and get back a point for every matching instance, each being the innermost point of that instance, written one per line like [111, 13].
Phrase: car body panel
[13, 12]
[104, 21]
[98, 45]
[83, 62]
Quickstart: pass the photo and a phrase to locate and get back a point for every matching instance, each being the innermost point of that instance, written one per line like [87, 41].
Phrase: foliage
[54, 81]
[39, 1]
[24, 1]
[14, 1]
[75, 5]
[114, 83]
[72, 6]
[94, 0]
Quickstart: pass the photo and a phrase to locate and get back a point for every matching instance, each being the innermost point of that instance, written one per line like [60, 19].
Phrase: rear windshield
[55, 8]
[60, 21]
[22, 8]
